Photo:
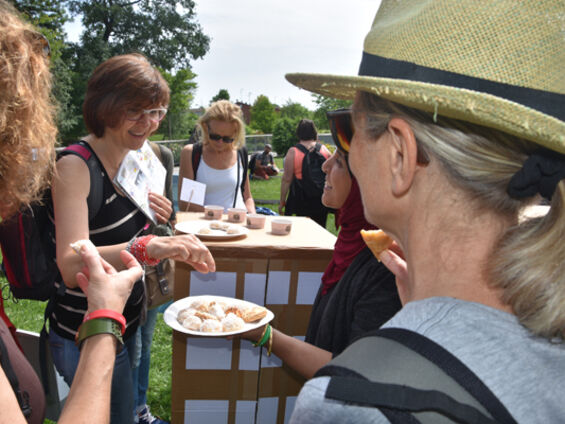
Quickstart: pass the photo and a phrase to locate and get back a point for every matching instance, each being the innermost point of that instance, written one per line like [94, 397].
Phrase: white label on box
[254, 289]
[245, 411]
[278, 288]
[308, 285]
[248, 356]
[267, 411]
[289, 407]
[208, 353]
[206, 411]
[213, 283]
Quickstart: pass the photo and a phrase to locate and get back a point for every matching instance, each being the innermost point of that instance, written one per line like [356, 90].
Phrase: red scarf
[349, 242]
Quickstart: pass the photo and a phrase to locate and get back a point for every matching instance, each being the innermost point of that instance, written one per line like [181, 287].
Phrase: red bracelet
[138, 248]
[107, 313]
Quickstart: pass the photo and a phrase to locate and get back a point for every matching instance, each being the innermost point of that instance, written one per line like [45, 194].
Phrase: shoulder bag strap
[196, 154]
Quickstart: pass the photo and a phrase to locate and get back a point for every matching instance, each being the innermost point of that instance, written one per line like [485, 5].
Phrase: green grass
[28, 315]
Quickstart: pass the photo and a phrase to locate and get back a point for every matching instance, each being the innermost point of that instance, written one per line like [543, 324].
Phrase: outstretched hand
[186, 248]
[104, 287]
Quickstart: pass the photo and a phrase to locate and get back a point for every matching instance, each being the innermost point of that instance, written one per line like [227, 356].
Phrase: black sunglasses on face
[341, 126]
[217, 137]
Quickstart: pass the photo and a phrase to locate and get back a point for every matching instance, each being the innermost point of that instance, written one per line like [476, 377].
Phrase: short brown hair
[306, 130]
[120, 83]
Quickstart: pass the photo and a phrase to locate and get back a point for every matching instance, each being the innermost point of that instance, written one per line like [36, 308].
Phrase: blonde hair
[528, 264]
[226, 111]
[27, 128]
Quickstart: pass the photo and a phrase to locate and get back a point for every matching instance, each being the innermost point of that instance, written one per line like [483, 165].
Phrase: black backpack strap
[196, 155]
[244, 156]
[96, 196]
[302, 148]
[21, 395]
[413, 374]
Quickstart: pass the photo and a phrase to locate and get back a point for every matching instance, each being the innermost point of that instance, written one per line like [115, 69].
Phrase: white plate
[170, 315]
[193, 227]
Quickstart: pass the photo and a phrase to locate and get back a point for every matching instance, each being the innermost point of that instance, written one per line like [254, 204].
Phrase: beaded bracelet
[264, 337]
[107, 313]
[138, 248]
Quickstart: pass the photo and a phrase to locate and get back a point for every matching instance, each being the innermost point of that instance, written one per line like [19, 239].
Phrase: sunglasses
[224, 138]
[154, 115]
[341, 126]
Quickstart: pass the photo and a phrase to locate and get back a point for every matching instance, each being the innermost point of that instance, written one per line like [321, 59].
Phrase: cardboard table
[215, 380]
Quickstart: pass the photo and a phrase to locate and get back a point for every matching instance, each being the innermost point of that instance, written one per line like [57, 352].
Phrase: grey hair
[528, 263]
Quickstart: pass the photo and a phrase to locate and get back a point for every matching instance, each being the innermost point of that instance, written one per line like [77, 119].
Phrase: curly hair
[27, 114]
[226, 111]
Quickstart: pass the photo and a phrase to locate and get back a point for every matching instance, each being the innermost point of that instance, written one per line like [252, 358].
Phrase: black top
[117, 222]
[363, 300]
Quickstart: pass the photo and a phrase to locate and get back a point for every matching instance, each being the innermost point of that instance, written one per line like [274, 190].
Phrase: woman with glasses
[126, 98]
[357, 293]
[219, 160]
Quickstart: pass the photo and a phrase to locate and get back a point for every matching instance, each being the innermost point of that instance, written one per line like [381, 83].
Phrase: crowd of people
[445, 148]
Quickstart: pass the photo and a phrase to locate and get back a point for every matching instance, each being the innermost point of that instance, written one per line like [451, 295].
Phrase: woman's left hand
[186, 248]
[162, 206]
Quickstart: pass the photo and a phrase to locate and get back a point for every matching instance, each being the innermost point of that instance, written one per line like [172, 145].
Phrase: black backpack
[411, 379]
[242, 157]
[27, 239]
[313, 178]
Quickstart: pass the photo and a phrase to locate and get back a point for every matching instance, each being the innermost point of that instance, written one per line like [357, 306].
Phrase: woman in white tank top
[222, 132]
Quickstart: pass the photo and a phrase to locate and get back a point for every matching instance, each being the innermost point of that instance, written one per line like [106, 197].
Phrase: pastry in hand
[377, 240]
[79, 243]
[254, 314]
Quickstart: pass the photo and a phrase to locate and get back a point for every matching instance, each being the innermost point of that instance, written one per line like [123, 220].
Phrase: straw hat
[497, 63]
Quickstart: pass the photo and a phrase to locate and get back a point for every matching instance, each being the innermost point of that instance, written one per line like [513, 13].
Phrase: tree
[263, 115]
[222, 95]
[284, 135]
[166, 31]
[179, 121]
[49, 17]
[326, 104]
[294, 111]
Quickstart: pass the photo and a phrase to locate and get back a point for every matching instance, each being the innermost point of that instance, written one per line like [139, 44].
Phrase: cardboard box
[229, 381]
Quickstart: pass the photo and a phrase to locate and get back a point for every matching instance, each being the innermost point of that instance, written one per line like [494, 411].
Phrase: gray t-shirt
[526, 373]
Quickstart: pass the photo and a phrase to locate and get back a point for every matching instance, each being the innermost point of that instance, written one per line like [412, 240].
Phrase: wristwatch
[100, 326]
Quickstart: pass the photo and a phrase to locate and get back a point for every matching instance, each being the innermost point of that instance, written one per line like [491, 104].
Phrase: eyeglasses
[154, 115]
[217, 137]
[341, 126]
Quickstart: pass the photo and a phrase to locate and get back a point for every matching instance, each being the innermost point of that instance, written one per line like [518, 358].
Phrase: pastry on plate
[205, 315]
[181, 316]
[217, 311]
[211, 326]
[377, 240]
[205, 230]
[232, 322]
[192, 322]
[254, 313]
[232, 230]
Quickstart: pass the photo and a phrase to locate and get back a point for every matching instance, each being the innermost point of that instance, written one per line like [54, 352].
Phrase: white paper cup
[256, 220]
[281, 226]
[213, 211]
[237, 214]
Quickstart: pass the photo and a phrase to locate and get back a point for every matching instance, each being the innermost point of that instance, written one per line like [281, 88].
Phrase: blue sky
[255, 42]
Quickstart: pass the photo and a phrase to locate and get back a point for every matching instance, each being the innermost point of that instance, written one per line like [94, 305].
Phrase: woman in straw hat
[459, 119]
[27, 125]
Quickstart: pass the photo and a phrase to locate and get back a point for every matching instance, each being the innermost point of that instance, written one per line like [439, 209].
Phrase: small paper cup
[256, 220]
[237, 215]
[281, 226]
[213, 212]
